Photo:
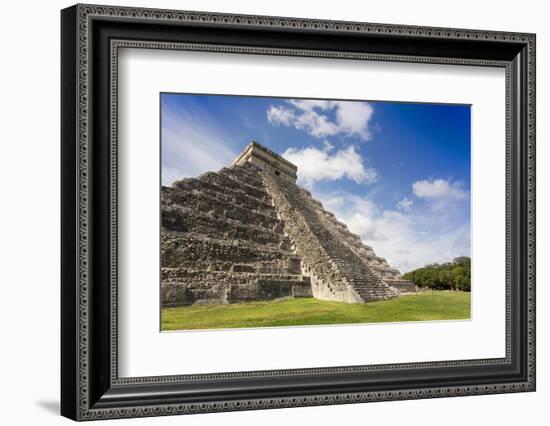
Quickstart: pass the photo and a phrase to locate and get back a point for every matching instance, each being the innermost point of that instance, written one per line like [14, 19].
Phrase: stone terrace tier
[222, 241]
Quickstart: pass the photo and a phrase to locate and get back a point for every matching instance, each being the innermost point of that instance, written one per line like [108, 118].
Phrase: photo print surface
[301, 212]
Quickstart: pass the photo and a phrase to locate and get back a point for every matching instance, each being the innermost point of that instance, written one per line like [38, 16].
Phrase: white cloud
[438, 189]
[316, 164]
[354, 117]
[317, 125]
[191, 145]
[405, 204]
[407, 239]
[351, 118]
[278, 115]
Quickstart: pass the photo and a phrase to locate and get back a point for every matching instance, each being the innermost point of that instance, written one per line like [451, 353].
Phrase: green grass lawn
[432, 305]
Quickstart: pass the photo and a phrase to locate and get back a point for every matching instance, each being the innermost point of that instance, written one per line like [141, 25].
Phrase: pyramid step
[179, 249]
[243, 178]
[255, 215]
[191, 286]
[216, 188]
[224, 181]
[188, 220]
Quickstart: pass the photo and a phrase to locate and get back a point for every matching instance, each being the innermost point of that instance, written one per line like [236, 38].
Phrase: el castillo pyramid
[249, 232]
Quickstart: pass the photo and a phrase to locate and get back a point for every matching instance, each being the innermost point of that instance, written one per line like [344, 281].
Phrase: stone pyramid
[249, 232]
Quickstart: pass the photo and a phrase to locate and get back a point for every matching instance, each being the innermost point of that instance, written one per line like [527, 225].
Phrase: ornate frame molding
[78, 25]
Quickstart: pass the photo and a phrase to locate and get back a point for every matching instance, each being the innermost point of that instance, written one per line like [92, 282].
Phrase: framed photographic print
[263, 212]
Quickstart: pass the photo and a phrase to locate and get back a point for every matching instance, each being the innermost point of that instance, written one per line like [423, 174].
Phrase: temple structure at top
[249, 232]
[268, 161]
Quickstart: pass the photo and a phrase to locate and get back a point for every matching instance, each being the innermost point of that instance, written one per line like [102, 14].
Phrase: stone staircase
[357, 282]
[378, 265]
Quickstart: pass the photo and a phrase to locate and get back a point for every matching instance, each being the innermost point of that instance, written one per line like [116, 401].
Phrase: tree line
[453, 275]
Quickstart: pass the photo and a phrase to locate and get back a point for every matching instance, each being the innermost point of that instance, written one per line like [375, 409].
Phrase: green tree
[453, 275]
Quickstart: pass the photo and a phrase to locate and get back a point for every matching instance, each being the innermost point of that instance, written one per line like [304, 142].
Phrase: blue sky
[398, 174]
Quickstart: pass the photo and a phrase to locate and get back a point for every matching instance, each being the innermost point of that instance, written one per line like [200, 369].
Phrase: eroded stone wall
[222, 242]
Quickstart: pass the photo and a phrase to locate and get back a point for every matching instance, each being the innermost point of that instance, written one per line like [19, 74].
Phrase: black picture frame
[90, 386]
